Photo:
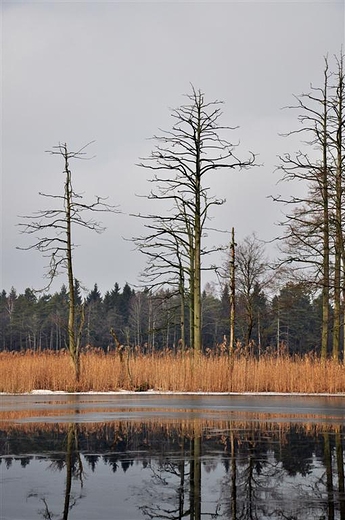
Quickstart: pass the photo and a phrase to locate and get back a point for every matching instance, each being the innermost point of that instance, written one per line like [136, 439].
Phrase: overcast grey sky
[109, 71]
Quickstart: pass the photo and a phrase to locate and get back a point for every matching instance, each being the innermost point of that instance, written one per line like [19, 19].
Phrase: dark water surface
[142, 456]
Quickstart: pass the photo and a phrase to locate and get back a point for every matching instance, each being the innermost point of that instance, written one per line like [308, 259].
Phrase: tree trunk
[339, 188]
[182, 317]
[197, 241]
[191, 299]
[325, 237]
[72, 343]
[232, 293]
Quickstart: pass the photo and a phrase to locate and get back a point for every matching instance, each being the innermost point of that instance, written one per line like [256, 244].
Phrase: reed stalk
[167, 371]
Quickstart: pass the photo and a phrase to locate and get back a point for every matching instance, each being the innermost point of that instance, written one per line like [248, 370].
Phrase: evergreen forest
[289, 322]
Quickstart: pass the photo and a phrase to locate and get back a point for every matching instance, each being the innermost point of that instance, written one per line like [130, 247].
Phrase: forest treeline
[289, 322]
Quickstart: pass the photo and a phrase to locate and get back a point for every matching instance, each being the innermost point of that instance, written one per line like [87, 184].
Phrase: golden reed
[24, 372]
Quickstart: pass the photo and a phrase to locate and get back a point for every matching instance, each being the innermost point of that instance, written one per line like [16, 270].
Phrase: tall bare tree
[337, 208]
[314, 228]
[183, 156]
[53, 231]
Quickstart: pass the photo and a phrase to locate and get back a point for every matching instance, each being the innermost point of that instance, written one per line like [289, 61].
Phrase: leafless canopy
[180, 161]
[52, 228]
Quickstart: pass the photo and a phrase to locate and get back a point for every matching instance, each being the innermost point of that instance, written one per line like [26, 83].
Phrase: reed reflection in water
[193, 469]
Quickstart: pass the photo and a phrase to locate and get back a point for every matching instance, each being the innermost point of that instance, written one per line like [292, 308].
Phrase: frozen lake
[54, 407]
[149, 456]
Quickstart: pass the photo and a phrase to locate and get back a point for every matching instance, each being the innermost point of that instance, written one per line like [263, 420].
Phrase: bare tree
[314, 235]
[183, 156]
[337, 208]
[53, 231]
[250, 274]
[166, 265]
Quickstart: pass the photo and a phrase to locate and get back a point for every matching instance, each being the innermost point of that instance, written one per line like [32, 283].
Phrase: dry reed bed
[24, 372]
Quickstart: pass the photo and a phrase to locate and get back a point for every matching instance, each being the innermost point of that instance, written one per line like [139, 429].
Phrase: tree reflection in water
[178, 476]
[74, 467]
[192, 469]
[74, 471]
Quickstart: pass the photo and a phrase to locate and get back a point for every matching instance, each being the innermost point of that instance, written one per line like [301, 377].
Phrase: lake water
[146, 456]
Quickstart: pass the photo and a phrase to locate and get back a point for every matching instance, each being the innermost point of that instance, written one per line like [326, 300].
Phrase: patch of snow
[171, 392]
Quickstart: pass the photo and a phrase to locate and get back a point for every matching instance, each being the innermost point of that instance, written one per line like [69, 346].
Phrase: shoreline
[172, 392]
